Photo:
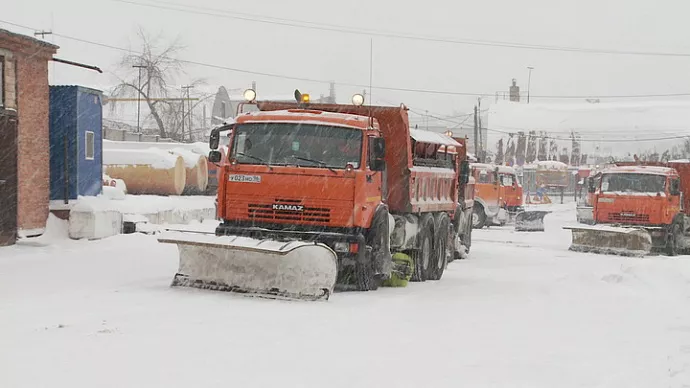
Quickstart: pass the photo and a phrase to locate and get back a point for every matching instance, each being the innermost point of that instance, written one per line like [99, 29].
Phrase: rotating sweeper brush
[266, 268]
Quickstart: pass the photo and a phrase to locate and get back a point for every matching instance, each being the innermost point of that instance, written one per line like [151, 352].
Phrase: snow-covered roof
[433, 137]
[506, 170]
[551, 165]
[655, 170]
[314, 117]
[482, 166]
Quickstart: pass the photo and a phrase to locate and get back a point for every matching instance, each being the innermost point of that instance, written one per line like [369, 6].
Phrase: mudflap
[611, 240]
[530, 221]
[266, 268]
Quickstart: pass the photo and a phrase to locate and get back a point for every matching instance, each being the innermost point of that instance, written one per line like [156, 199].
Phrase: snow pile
[155, 158]
[197, 147]
[113, 193]
[118, 183]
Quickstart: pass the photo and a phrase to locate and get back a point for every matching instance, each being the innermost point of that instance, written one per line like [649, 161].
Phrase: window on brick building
[2, 81]
[89, 149]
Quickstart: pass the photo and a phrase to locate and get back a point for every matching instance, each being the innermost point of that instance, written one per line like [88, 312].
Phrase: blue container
[76, 142]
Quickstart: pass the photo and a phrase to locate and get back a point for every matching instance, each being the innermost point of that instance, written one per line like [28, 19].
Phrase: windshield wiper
[255, 158]
[322, 164]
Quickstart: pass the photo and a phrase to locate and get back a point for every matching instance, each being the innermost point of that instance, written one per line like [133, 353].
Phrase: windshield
[305, 145]
[506, 180]
[633, 183]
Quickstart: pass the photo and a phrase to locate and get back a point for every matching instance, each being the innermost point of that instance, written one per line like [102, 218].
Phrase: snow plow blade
[611, 240]
[266, 268]
[530, 221]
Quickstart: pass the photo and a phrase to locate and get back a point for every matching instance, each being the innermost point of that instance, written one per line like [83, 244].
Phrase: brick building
[24, 95]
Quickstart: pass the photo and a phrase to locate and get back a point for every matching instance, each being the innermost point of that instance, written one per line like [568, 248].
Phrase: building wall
[34, 156]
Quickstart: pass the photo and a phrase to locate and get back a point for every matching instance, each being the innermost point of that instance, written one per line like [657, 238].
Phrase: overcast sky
[634, 25]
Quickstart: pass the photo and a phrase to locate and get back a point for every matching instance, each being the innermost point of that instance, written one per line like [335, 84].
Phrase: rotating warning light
[305, 98]
[358, 100]
[250, 95]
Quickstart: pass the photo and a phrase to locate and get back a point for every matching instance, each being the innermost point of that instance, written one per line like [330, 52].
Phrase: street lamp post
[139, 97]
[529, 81]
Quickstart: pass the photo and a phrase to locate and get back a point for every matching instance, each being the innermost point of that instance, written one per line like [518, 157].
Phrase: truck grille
[290, 210]
[629, 217]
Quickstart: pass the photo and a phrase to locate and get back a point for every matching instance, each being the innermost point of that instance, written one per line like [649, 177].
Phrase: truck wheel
[674, 236]
[467, 240]
[478, 217]
[422, 256]
[443, 237]
[378, 242]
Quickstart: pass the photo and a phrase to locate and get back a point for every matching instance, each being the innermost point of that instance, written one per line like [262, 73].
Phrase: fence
[124, 135]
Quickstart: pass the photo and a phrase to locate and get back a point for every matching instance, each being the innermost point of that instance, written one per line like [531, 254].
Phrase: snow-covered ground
[522, 311]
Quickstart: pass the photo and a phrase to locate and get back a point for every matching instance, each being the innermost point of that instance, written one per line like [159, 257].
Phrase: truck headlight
[341, 246]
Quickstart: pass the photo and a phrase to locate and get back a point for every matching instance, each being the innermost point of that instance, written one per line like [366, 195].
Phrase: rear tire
[478, 217]
[442, 242]
[422, 256]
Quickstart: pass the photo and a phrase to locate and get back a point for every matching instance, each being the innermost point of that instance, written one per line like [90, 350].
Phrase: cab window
[507, 180]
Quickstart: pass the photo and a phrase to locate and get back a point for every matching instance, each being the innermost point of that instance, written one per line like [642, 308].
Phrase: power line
[590, 140]
[304, 79]
[381, 33]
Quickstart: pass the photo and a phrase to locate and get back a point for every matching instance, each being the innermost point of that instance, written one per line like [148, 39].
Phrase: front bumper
[326, 237]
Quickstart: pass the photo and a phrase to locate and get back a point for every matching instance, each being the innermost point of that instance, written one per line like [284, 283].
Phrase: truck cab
[649, 197]
[510, 190]
[489, 206]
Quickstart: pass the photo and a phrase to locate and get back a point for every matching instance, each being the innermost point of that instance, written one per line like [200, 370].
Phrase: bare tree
[575, 149]
[499, 152]
[520, 149]
[510, 151]
[159, 68]
[531, 154]
[553, 149]
[543, 142]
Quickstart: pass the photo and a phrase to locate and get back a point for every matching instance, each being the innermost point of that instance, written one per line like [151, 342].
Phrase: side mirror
[214, 156]
[591, 186]
[214, 140]
[465, 172]
[214, 137]
[377, 153]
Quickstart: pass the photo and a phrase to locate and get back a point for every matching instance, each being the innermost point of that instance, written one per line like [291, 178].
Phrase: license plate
[244, 178]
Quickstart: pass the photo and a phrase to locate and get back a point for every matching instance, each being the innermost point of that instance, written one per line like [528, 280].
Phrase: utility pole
[43, 33]
[479, 127]
[139, 97]
[186, 87]
[476, 134]
[529, 80]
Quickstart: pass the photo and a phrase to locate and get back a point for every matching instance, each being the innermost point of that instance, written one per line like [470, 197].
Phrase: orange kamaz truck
[314, 195]
[638, 207]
